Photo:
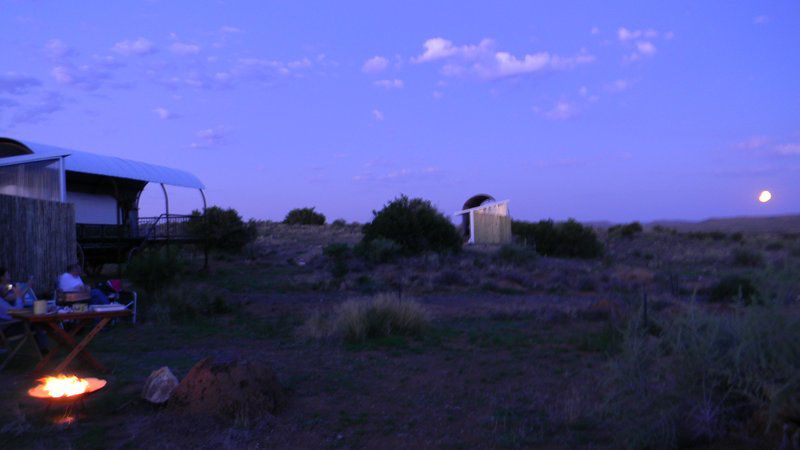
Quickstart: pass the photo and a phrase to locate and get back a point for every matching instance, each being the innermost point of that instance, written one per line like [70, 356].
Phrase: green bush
[568, 239]
[415, 226]
[732, 288]
[339, 223]
[378, 251]
[304, 216]
[516, 254]
[627, 230]
[154, 269]
[743, 257]
[357, 321]
[224, 229]
[186, 304]
[337, 253]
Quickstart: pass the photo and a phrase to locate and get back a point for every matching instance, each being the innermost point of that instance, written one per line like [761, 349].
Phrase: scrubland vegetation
[390, 335]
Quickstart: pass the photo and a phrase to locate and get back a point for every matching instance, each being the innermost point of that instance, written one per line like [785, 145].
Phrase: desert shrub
[700, 379]
[743, 257]
[627, 231]
[415, 225]
[516, 254]
[304, 216]
[381, 316]
[737, 237]
[153, 269]
[451, 278]
[337, 250]
[185, 304]
[706, 235]
[774, 246]
[224, 229]
[732, 288]
[378, 251]
[665, 230]
[337, 253]
[568, 239]
[339, 223]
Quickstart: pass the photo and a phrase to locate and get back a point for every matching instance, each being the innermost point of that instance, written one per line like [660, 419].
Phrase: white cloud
[377, 114]
[483, 61]
[84, 77]
[440, 48]
[209, 137]
[435, 48]
[57, 49]
[376, 64]
[789, 149]
[140, 46]
[299, 64]
[760, 20]
[164, 113]
[753, 143]
[390, 84]
[625, 34]
[437, 95]
[646, 48]
[561, 110]
[641, 42]
[180, 48]
[618, 85]
[229, 30]
[595, 30]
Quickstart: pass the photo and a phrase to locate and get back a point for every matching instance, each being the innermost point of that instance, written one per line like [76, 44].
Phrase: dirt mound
[228, 389]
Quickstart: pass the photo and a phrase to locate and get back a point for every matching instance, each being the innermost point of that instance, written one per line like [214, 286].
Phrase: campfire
[62, 387]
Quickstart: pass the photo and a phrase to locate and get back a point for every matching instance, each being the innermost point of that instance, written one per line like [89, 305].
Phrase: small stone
[159, 386]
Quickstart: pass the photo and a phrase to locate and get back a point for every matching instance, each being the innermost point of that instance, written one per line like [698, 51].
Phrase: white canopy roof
[78, 161]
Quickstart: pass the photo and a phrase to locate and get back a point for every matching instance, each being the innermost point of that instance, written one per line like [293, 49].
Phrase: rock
[229, 389]
[159, 386]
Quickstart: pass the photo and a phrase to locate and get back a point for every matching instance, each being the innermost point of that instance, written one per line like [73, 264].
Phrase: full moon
[765, 196]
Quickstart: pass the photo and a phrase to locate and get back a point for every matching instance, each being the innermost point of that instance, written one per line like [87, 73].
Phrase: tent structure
[485, 220]
[104, 190]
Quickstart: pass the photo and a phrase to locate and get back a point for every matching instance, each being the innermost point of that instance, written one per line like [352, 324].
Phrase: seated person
[11, 298]
[70, 281]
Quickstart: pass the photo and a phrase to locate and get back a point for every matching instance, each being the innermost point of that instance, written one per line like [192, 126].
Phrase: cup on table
[40, 307]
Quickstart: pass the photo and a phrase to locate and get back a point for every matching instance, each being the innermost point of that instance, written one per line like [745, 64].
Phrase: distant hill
[774, 224]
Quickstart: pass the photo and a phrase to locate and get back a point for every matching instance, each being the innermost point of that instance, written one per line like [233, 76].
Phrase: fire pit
[65, 389]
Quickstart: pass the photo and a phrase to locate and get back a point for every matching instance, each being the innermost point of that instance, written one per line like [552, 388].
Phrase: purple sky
[594, 110]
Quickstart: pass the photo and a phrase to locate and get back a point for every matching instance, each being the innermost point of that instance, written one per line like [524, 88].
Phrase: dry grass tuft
[360, 320]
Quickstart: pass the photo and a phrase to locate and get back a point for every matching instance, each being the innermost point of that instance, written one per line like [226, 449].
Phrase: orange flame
[64, 385]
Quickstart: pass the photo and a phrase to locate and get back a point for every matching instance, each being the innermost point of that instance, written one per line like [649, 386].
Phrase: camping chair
[13, 335]
[127, 298]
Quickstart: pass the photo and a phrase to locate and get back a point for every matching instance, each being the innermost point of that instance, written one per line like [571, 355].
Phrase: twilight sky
[594, 110]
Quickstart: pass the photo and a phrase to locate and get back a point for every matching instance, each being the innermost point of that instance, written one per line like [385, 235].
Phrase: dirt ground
[512, 364]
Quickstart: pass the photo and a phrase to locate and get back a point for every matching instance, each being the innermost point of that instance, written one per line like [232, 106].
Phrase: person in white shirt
[70, 281]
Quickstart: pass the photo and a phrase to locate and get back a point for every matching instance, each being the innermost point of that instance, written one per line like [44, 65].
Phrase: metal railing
[165, 227]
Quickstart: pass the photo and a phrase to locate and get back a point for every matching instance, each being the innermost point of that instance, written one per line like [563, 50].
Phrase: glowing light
[64, 385]
[765, 196]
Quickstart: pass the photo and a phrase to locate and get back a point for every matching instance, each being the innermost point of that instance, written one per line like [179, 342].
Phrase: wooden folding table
[68, 340]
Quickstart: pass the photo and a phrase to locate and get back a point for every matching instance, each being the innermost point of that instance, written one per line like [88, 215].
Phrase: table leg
[57, 334]
[80, 349]
[67, 341]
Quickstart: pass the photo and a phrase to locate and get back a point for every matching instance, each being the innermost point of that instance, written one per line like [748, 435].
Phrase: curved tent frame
[122, 179]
